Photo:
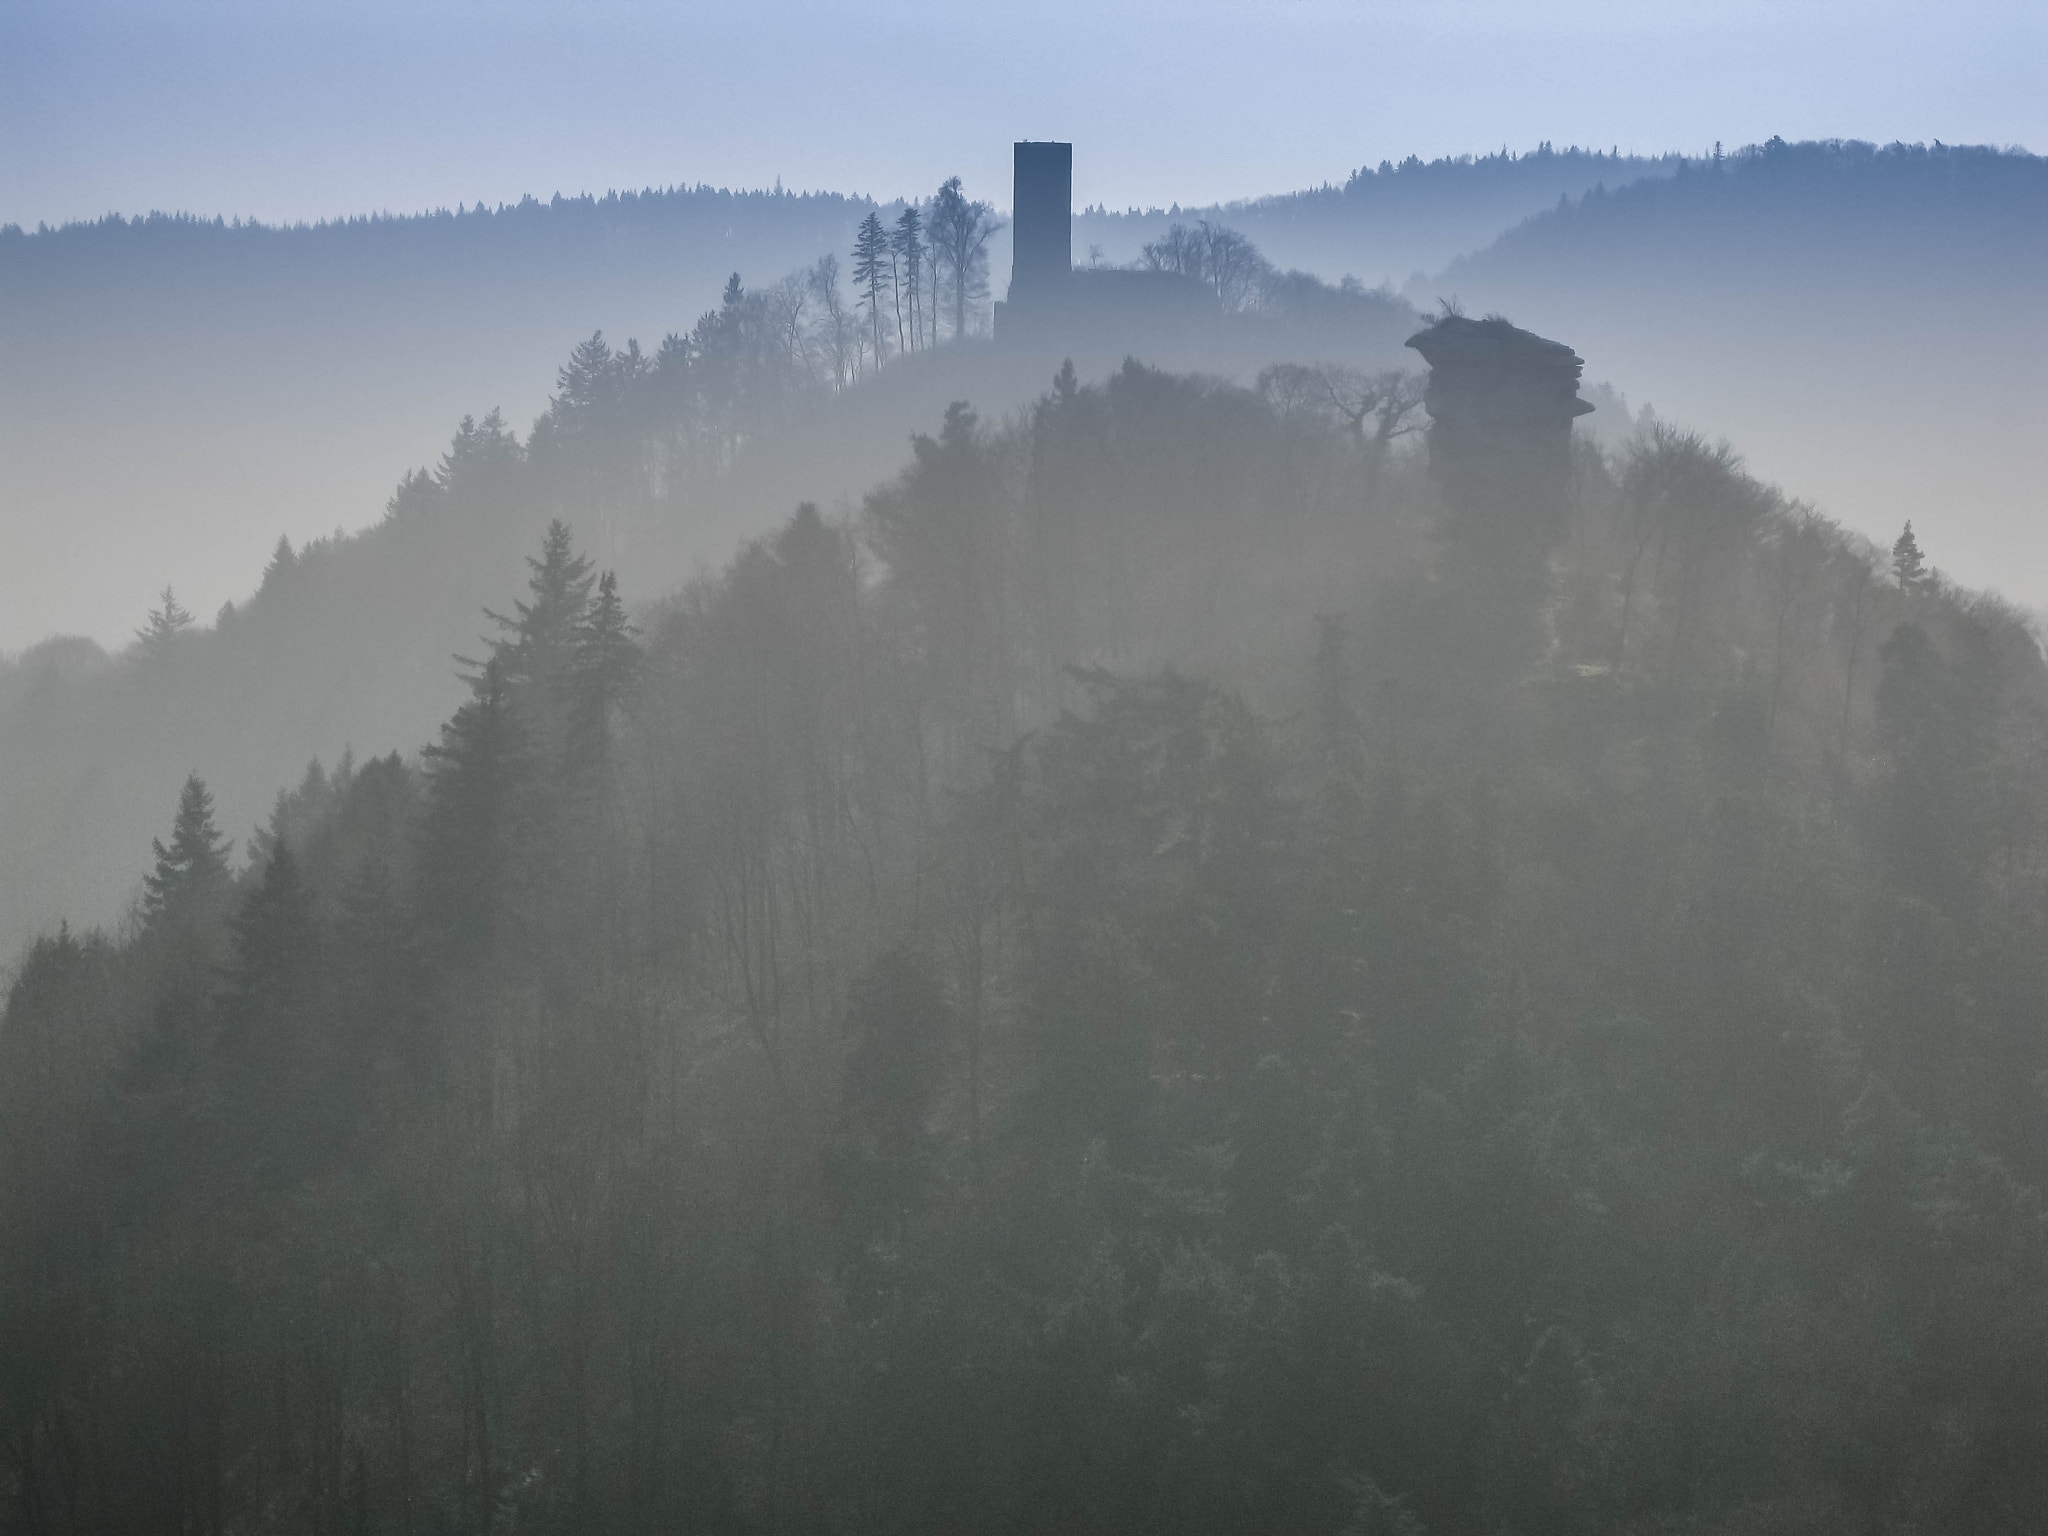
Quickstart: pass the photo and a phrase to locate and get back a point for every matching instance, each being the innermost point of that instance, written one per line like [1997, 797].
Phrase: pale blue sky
[293, 111]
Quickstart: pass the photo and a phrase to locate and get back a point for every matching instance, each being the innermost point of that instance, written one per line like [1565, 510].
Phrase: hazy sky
[283, 110]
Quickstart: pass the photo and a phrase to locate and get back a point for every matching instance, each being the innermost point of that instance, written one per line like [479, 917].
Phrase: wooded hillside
[1110, 988]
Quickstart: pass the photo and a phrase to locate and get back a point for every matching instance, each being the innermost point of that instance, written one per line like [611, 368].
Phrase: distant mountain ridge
[1869, 322]
[702, 217]
[1406, 215]
[1391, 220]
[1964, 204]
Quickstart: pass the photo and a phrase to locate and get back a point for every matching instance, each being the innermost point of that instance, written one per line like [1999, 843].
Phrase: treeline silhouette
[1385, 220]
[1106, 989]
[1390, 220]
[1974, 206]
[144, 249]
[1864, 319]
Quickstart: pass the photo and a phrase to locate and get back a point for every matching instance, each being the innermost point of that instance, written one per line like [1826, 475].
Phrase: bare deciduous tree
[960, 231]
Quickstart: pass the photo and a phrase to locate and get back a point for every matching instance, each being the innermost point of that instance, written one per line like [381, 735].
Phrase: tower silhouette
[1042, 226]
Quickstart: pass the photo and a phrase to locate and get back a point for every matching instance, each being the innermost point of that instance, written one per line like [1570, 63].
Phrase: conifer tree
[166, 624]
[184, 900]
[192, 873]
[283, 561]
[906, 243]
[870, 271]
[1909, 569]
[589, 381]
[477, 445]
[541, 633]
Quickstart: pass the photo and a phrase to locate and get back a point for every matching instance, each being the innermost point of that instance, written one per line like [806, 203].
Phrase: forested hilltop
[271, 380]
[666, 456]
[1162, 972]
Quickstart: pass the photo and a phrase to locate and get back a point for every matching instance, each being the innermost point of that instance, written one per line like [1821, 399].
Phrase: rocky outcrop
[1501, 403]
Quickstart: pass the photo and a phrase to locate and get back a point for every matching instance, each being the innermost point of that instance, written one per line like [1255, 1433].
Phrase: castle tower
[1042, 222]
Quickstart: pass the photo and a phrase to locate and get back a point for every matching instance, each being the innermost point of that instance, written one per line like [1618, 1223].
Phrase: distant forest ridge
[1963, 195]
[647, 202]
[1868, 321]
[1366, 182]
[1384, 219]
[1391, 220]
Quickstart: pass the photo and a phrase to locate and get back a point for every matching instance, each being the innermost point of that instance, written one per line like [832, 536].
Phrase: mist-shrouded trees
[1064, 998]
[191, 873]
[184, 899]
[1909, 567]
[908, 253]
[871, 274]
[958, 230]
[167, 622]
[1220, 259]
[648, 450]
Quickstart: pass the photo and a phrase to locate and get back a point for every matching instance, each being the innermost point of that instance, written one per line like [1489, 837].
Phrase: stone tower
[1042, 221]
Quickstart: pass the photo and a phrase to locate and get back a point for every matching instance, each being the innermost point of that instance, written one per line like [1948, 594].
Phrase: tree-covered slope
[1112, 987]
[176, 392]
[662, 458]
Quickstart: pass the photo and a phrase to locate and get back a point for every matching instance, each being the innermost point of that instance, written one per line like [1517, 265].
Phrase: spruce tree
[284, 560]
[165, 625]
[184, 900]
[540, 635]
[1909, 569]
[192, 873]
[870, 272]
[588, 382]
[906, 242]
[486, 445]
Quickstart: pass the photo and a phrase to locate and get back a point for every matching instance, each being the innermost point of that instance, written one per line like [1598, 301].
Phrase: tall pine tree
[871, 273]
